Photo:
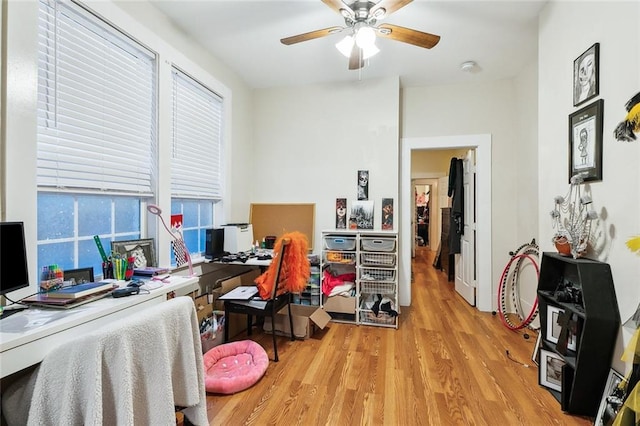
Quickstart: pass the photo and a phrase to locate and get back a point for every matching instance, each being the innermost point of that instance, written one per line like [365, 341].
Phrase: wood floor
[445, 365]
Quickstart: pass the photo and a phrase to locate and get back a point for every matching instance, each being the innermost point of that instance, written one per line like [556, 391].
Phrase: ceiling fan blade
[355, 59]
[407, 35]
[389, 6]
[310, 35]
[337, 5]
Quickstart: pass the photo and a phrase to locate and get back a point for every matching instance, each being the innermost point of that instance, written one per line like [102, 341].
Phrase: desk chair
[268, 309]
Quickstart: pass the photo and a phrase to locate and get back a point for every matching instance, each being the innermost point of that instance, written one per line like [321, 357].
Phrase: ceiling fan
[360, 18]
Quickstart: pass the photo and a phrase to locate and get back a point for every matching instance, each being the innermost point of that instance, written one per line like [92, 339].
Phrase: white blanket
[131, 372]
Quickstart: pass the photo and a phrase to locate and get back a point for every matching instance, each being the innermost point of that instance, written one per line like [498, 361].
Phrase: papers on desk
[240, 293]
[252, 303]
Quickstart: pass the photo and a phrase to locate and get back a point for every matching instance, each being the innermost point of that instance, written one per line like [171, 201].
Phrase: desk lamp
[180, 249]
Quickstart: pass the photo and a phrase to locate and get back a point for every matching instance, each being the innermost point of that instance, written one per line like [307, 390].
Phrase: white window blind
[197, 140]
[96, 104]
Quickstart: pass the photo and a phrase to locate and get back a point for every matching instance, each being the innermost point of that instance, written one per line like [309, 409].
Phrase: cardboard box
[306, 319]
[247, 278]
[341, 304]
[204, 306]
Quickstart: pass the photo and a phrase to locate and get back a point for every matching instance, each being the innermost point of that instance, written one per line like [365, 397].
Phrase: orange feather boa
[295, 267]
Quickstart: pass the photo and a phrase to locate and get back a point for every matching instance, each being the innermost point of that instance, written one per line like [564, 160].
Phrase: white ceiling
[500, 36]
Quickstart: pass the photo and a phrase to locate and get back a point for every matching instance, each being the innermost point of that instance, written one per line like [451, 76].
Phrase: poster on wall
[341, 213]
[361, 215]
[363, 184]
[387, 213]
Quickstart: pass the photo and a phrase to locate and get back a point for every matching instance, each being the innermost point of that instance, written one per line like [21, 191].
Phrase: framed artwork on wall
[585, 142]
[363, 184]
[586, 75]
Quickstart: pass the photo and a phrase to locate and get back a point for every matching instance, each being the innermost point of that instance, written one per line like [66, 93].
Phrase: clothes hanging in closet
[456, 171]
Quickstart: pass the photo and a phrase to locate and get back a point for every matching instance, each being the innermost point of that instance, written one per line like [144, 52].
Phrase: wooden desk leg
[249, 324]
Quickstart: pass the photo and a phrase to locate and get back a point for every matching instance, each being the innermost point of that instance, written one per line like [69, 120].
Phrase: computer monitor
[14, 272]
[214, 243]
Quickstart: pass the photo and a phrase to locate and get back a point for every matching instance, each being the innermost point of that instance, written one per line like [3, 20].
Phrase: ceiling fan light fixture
[365, 37]
[370, 51]
[345, 46]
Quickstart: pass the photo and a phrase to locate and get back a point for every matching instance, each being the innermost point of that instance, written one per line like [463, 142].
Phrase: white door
[465, 276]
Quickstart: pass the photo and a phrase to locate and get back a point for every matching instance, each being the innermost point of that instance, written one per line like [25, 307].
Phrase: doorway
[422, 214]
[482, 146]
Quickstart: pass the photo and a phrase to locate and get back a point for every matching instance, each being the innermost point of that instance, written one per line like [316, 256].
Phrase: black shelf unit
[593, 306]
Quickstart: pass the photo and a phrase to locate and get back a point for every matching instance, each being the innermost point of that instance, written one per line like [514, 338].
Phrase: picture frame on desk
[143, 251]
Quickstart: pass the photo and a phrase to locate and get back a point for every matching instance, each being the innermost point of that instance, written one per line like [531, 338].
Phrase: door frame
[482, 145]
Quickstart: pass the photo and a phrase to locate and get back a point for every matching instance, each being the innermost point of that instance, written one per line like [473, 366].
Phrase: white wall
[489, 108]
[145, 24]
[566, 29]
[309, 143]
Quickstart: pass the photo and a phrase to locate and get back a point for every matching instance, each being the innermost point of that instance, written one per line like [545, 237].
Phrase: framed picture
[554, 328]
[141, 250]
[550, 370]
[363, 184]
[79, 276]
[586, 75]
[535, 356]
[361, 215]
[387, 213]
[585, 142]
[341, 213]
[613, 397]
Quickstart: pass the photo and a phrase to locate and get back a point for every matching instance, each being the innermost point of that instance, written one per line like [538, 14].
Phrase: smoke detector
[468, 66]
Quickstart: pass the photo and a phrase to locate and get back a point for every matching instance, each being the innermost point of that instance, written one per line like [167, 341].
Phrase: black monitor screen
[214, 247]
[14, 273]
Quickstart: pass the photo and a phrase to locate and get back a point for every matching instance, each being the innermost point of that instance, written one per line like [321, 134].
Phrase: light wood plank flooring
[445, 365]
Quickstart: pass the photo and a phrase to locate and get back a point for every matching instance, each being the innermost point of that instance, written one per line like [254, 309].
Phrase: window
[96, 134]
[196, 171]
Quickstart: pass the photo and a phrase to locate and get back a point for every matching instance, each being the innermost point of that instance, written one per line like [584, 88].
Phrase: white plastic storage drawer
[378, 244]
[378, 259]
[337, 242]
[377, 274]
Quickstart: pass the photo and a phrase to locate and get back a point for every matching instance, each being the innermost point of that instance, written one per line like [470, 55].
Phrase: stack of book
[75, 295]
[150, 271]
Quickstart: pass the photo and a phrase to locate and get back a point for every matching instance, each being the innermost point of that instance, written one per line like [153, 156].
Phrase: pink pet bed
[233, 367]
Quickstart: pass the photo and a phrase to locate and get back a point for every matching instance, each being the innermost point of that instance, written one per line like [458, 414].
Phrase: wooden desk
[26, 337]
